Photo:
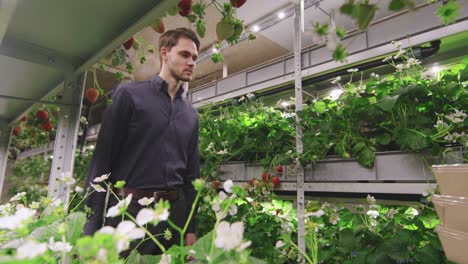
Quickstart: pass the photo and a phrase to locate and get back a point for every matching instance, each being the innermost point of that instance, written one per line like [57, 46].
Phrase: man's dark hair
[170, 38]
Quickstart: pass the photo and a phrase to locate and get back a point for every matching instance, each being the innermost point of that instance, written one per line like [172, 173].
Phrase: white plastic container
[452, 211]
[455, 244]
[452, 179]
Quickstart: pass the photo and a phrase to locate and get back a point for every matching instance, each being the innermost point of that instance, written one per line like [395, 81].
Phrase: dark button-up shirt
[147, 140]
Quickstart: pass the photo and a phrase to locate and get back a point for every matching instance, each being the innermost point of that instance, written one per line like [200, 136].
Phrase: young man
[149, 139]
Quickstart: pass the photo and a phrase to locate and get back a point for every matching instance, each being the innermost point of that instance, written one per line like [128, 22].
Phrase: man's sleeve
[111, 136]
[193, 172]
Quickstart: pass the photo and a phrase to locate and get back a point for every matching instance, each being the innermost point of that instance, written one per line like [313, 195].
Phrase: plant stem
[302, 253]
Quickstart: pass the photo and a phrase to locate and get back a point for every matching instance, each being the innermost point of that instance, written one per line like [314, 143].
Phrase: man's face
[180, 60]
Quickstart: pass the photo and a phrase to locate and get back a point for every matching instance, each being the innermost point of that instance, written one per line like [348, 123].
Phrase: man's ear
[163, 53]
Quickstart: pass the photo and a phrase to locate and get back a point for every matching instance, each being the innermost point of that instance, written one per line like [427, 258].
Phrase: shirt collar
[161, 86]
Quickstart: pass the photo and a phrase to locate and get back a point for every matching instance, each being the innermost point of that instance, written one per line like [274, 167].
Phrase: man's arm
[111, 135]
[193, 172]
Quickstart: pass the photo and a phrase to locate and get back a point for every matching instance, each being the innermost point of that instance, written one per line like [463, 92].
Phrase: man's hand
[190, 239]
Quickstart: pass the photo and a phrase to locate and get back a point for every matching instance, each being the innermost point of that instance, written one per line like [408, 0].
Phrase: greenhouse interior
[234, 131]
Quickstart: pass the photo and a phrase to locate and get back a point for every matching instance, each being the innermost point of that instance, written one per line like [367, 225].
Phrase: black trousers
[178, 215]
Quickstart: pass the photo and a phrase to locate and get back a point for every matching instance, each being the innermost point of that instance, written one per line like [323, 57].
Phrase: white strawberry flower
[374, 75]
[387, 58]
[123, 234]
[120, 207]
[229, 236]
[400, 67]
[391, 213]
[373, 213]
[222, 195]
[334, 218]
[145, 201]
[154, 216]
[67, 178]
[353, 70]
[21, 217]
[370, 199]
[228, 185]
[59, 246]
[97, 187]
[413, 61]
[78, 189]
[319, 213]
[397, 44]
[34, 205]
[336, 80]
[18, 197]
[101, 178]
[5, 209]
[30, 250]
[233, 210]
[165, 259]
[280, 244]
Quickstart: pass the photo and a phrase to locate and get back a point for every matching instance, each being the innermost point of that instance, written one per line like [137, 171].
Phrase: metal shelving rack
[43, 55]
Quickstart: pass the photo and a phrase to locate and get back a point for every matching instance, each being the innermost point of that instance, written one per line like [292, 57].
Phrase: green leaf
[397, 247]
[408, 139]
[201, 29]
[388, 102]
[199, 9]
[372, 100]
[119, 76]
[224, 30]
[321, 29]
[217, 57]
[428, 255]
[340, 53]
[173, 11]
[358, 147]
[453, 90]
[396, 5]
[347, 241]
[347, 8]
[449, 12]
[463, 75]
[384, 139]
[366, 157]
[366, 14]
[192, 18]
[75, 225]
[378, 256]
[320, 107]
[340, 32]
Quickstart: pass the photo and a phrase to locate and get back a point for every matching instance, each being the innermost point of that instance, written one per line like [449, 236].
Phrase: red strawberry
[185, 7]
[24, 118]
[278, 212]
[216, 184]
[129, 43]
[252, 182]
[279, 169]
[276, 181]
[158, 25]
[237, 3]
[16, 131]
[265, 176]
[92, 94]
[47, 126]
[42, 115]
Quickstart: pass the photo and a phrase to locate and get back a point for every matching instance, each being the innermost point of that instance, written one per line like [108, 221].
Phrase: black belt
[139, 194]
